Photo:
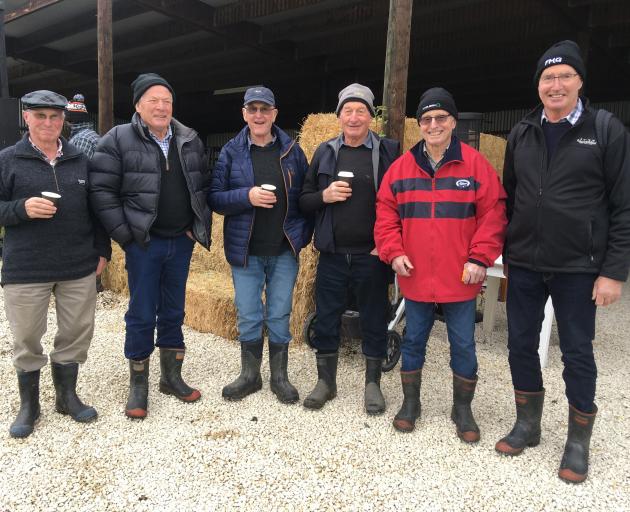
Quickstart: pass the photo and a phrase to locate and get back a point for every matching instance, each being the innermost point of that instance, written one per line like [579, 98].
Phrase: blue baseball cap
[261, 94]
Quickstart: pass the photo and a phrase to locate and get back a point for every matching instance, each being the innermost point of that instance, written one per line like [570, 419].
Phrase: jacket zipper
[286, 191]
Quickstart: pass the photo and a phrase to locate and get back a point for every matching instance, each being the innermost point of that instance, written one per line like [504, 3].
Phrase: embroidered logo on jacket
[462, 184]
[589, 142]
[81, 182]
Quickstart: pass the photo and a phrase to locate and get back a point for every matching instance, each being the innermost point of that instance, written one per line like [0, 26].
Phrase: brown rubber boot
[461, 413]
[526, 430]
[405, 420]
[574, 465]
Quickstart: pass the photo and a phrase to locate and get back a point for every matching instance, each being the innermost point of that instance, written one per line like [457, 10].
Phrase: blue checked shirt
[84, 138]
[165, 142]
[573, 116]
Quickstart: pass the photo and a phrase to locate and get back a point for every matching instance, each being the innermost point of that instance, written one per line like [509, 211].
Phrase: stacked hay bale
[210, 292]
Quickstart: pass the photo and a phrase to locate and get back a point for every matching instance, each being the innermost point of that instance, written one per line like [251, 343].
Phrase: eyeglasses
[564, 78]
[157, 101]
[441, 119]
[251, 110]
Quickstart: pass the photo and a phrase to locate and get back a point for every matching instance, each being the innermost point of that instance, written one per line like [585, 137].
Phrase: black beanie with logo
[564, 52]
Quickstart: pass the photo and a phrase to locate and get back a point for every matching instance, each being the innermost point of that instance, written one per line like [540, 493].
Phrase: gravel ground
[261, 455]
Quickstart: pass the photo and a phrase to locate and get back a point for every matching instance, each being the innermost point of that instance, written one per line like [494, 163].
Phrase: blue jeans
[574, 310]
[460, 325]
[367, 276]
[276, 275]
[157, 291]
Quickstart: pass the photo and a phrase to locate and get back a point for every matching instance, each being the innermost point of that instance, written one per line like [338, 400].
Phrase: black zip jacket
[570, 214]
[322, 172]
[125, 179]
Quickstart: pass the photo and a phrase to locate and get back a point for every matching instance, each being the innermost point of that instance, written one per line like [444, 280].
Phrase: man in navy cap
[567, 178]
[148, 184]
[256, 185]
[52, 245]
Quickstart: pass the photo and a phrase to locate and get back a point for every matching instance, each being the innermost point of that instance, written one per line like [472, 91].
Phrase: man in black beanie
[148, 185]
[567, 177]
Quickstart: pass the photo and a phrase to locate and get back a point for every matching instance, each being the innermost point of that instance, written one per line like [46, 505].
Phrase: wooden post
[396, 68]
[4, 80]
[105, 66]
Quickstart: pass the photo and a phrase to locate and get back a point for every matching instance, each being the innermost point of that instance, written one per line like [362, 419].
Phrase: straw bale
[210, 303]
[213, 259]
[304, 291]
[493, 148]
[115, 276]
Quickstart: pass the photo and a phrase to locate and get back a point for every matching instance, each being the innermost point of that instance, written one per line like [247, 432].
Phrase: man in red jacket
[440, 222]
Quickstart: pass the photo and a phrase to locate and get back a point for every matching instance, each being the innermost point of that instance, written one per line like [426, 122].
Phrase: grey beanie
[356, 92]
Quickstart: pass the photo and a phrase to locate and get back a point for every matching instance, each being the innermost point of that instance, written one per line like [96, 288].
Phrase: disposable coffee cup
[53, 197]
[268, 188]
[345, 176]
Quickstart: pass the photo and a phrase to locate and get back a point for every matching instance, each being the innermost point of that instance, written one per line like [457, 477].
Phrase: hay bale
[213, 259]
[493, 148]
[210, 303]
[115, 276]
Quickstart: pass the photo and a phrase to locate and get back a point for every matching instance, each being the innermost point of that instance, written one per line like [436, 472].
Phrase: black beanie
[564, 52]
[146, 80]
[436, 98]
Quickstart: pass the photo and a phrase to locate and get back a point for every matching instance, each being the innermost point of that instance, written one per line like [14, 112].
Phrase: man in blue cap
[52, 246]
[256, 185]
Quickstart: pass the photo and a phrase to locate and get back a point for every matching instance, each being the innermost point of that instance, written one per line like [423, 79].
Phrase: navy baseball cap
[44, 99]
[261, 94]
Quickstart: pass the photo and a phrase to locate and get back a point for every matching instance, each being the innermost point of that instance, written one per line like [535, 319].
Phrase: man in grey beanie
[345, 212]
[567, 178]
[148, 185]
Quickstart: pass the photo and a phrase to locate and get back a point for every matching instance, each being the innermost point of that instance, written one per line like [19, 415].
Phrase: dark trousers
[367, 276]
[575, 315]
[157, 291]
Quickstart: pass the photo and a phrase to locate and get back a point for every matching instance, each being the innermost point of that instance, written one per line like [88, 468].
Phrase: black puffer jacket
[570, 214]
[125, 181]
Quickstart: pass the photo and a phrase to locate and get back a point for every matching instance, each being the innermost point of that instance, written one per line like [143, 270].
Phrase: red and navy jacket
[440, 220]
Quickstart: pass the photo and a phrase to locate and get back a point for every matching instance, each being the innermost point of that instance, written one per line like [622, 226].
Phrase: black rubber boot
[574, 465]
[373, 397]
[526, 430]
[28, 386]
[171, 382]
[137, 403]
[249, 381]
[326, 387]
[65, 380]
[461, 413]
[405, 420]
[280, 385]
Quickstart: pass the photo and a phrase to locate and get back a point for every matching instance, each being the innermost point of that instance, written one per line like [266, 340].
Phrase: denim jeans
[367, 276]
[157, 291]
[460, 325]
[276, 275]
[574, 310]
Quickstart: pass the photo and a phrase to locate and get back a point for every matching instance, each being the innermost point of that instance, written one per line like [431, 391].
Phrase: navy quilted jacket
[232, 179]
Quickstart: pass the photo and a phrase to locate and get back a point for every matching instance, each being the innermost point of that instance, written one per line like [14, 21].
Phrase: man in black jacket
[567, 177]
[148, 186]
[345, 212]
[52, 245]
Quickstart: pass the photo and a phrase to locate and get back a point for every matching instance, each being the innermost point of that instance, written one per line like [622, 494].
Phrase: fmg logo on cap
[554, 60]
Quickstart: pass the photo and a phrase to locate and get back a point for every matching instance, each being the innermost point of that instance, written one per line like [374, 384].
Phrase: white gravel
[261, 455]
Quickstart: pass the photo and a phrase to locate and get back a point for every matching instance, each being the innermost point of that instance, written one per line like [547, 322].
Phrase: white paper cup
[345, 176]
[268, 188]
[53, 197]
